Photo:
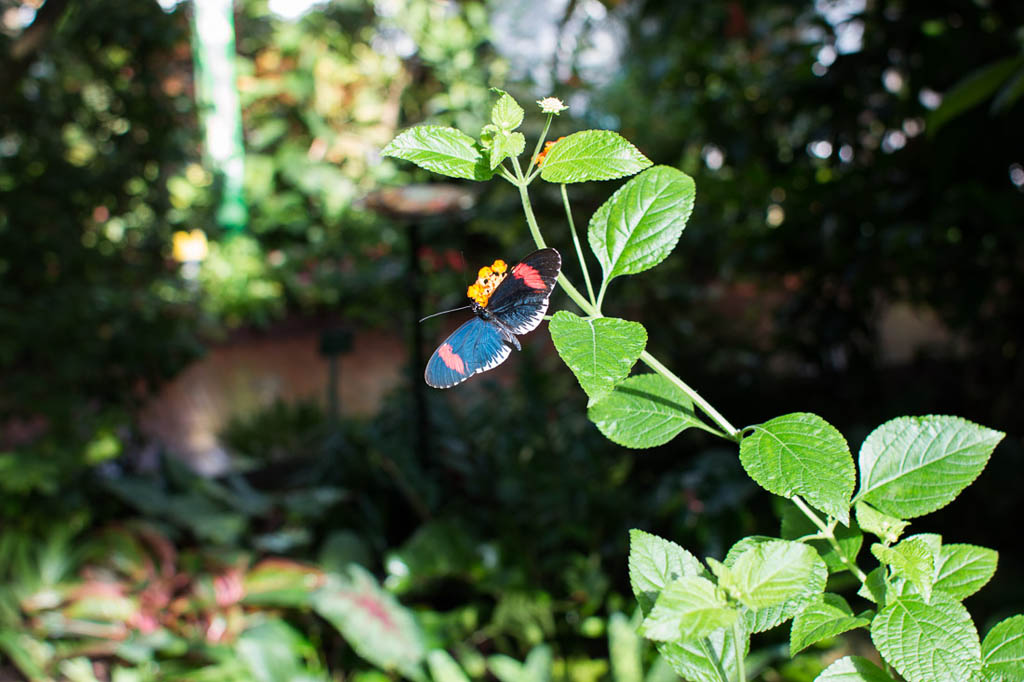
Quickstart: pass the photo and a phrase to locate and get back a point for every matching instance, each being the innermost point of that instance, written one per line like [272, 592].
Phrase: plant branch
[730, 432]
[538, 238]
[600, 294]
[828, 534]
[537, 150]
[737, 637]
[576, 243]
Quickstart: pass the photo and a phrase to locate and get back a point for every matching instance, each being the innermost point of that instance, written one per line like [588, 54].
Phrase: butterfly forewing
[476, 346]
[520, 301]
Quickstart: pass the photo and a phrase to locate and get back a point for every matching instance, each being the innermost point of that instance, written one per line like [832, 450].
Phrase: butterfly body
[506, 303]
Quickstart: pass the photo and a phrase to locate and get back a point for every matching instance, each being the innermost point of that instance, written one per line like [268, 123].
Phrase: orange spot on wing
[451, 359]
[529, 275]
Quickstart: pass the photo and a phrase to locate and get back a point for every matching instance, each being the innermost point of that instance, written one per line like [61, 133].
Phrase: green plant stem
[737, 637]
[828, 534]
[709, 654]
[536, 150]
[579, 249]
[538, 239]
[600, 294]
[729, 432]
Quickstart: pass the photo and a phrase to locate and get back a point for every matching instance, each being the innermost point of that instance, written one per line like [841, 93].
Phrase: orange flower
[547, 146]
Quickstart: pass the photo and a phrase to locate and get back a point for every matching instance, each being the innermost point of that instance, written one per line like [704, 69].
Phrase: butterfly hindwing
[520, 301]
[476, 346]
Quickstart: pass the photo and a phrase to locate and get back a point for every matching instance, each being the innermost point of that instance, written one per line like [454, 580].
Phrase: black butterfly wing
[520, 301]
[475, 347]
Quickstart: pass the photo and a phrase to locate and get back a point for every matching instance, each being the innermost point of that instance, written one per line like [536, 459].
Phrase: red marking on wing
[451, 359]
[529, 275]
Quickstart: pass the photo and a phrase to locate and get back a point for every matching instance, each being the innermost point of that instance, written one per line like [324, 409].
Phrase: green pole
[213, 47]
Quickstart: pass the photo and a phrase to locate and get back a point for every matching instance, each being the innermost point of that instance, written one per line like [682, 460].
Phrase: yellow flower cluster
[487, 281]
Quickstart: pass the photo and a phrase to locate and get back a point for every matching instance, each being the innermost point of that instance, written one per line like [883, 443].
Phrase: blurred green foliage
[508, 538]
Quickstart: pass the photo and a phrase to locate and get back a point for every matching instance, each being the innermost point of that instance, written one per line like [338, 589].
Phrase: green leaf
[928, 641]
[802, 454]
[695, 660]
[688, 608]
[28, 654]
[760, 619]
[374, 624]
[504, 145]
[659, 671]
[971, 91]
[536, 667]
[643, 411]
[911, 466]
[887, 528]
[625, 649]
[444, 668]
[912, 560]
[775, 572]
[795, 524]
[592, 155]
[655, 562]
[505, 668]
[273, 650]
[640, 224]
[600, 352]
[1003, 650]
[538, 663]
[875, 587]
[77, 669]
[822, 620]
[964, 569]
[1010, 93]
[853, 669]
[506, 113]
[442, 150]
[280, 582]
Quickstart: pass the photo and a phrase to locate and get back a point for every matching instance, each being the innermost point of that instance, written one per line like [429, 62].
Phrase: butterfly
[507, 302]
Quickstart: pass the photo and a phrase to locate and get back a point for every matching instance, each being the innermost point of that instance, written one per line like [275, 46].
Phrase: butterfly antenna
[444, 312]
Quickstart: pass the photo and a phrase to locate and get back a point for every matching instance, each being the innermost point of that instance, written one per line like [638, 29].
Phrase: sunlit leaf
[442, 150]
[1003, 650]
[802, 454]
[699, 660]
[911, 466]
[592, 155]
[771, 573]
[853, 669]
[822, 620]
[639, 225]
[600, 352]
[690, 607]
[964, 569]
[504, 145]
[653, 563]
[887, 528]
[643, 411]
[506, 113]
[928, 641]
[912, 560]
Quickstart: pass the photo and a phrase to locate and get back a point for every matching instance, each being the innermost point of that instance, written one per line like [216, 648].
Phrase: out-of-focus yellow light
[190, 247]
[775, 215]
